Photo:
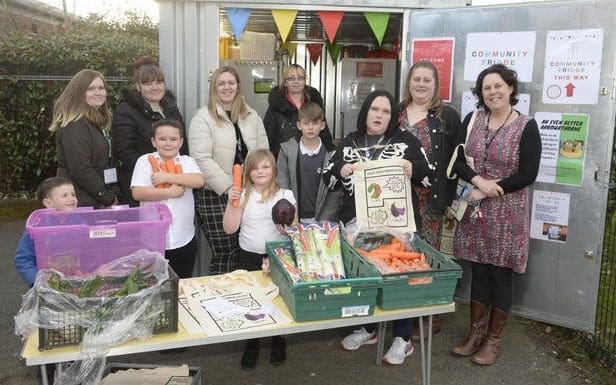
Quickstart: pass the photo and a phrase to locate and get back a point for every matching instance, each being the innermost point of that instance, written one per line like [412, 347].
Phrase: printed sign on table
[563, 139]
[572, 66]
[438, 51]
[383, 196]
[516, 50]
[550, 216]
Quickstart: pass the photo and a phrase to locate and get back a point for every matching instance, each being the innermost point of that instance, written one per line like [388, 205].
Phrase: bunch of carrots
[167, 166]
[394, 257]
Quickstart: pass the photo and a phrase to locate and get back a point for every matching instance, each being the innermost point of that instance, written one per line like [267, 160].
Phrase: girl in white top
[253, 217]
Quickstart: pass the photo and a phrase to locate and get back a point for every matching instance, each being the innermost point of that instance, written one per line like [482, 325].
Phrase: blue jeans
[401, 328]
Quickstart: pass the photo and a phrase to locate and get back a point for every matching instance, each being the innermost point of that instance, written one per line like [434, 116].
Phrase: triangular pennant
[238, 17]
[331, 21]
[290, 47]
[284, 19]
[334, 52]
[315, 51]
[378, 22]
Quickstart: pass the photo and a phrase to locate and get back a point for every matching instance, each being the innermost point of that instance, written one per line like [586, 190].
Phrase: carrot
[332, 236]
[178, 169]
[156, 168]
[153, 163]
[303, 238]
[407, 255]
[170, 166]
[237, 182]
[397, 244]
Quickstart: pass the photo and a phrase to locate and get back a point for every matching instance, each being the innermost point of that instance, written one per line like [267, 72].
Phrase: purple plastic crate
[81, 240]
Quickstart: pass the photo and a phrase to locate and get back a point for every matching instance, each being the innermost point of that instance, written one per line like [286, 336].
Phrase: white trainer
[358, 338]
[399, 350]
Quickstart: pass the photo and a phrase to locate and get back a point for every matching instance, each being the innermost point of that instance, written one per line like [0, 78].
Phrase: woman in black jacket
[141, 106]
[81, 121]
[437, 126]
[284, 101]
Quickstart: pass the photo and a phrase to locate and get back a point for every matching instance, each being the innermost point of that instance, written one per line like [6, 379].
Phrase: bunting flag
[290, 47]
[315, 51]
[334, 52]
[378, 22]
[238, 17]
[331, 21]
[284, 19]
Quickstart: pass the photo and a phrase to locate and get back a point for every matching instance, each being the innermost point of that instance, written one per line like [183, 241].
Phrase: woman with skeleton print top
[377, 137]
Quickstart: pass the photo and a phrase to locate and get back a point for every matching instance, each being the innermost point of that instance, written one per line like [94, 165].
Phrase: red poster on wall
[438, 51]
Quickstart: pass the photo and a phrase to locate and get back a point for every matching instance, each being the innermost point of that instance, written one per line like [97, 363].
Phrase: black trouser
[250, 261]
[492, 286]
[182, 259]
[210, 212]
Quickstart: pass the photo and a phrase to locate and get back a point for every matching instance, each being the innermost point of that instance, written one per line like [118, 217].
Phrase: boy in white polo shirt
[151, 184]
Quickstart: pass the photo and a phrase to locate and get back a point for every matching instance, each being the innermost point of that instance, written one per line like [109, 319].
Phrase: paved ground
[315, 358]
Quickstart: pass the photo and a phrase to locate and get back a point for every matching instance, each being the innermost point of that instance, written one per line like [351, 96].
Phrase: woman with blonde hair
[82, 121]
[285, 101]
[220, 135]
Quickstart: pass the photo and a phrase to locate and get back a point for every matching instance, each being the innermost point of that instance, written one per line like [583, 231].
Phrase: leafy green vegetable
[90, 287]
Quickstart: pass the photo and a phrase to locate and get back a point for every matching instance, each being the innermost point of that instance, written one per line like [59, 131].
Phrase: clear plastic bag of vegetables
[390, 252]
[118, 302]
[318, 255]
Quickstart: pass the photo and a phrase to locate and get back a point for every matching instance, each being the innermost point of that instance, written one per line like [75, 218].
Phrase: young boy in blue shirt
[54, 193]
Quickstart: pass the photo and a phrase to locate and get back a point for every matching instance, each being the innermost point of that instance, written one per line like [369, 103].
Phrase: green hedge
[27, 148]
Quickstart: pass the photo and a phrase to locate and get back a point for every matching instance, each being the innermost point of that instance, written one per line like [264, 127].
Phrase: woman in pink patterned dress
[493, 235]
[437, 126]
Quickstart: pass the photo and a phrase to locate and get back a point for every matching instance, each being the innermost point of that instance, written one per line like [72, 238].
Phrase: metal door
[359, 77]
[257, 77]
[561, 282]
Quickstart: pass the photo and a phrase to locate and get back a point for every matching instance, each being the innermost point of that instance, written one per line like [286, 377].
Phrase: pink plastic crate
[81, 240]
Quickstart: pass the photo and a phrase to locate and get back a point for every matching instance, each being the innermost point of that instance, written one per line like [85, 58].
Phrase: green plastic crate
[311, 301]
[397, 292]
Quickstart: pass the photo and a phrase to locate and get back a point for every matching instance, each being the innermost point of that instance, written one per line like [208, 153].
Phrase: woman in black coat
[284, 101]
[81, 121]
[141, 106]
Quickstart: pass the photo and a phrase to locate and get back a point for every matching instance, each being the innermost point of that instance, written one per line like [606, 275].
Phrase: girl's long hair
[239, 109]
[253, 160]
[436, 104]
[71, 104]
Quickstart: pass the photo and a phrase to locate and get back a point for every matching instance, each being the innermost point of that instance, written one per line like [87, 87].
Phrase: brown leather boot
[490, 350]
[473, 341]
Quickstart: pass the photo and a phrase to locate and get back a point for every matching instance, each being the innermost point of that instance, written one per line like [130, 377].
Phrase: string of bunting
[331, 20]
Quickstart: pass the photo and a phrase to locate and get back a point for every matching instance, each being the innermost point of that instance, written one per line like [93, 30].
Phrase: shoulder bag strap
[454, 155]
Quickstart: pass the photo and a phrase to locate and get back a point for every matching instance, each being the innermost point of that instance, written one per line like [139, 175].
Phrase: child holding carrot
[253, 217]
[167, 177]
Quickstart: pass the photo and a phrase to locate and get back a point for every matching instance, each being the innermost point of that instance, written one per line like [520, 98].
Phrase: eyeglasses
[296, 79]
